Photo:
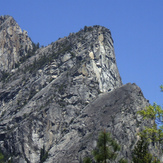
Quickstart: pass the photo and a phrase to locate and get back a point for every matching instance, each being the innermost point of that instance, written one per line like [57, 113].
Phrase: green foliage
[65, 49]
[88, 29]
[29, 54]
[1, 158]
[37, 64]
[43, 154]
[4, 76]
[61, 88]
[44, 59]
[155, 160]
[41, 62]
[161, 87]
[149, 134]
[87, 160]
[154, 113]
[5, 158]
[122, 161]
[140, 153]
[106, 148]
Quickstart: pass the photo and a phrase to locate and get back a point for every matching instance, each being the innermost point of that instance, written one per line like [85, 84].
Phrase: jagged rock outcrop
[115, 112]
[14, 43]
[62, 95]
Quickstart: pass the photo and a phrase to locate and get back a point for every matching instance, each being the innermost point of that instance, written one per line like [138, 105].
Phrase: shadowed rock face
[115, 112]
[63, 95]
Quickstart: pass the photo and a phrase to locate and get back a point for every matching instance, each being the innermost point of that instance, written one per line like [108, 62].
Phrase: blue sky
[136, 27]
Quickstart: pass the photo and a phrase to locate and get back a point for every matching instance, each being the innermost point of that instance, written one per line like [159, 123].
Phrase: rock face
[14, 43]
[116, 112]
[61, 96]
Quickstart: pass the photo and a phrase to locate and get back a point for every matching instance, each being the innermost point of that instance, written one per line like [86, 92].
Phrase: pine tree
[140, 153]
[43, 154]
[154, 133]
[106, 148]
[1, 158]
[155, 114]
[87, 160]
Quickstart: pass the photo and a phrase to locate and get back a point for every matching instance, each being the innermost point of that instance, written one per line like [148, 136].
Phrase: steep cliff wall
[116, 112]
[14, 43]
[63, 95]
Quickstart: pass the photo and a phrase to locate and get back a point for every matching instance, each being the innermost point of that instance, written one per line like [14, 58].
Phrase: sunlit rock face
[14, 43]
[61, 96]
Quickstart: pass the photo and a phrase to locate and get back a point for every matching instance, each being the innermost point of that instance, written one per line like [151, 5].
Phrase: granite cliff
[14, 43]
[59, 97]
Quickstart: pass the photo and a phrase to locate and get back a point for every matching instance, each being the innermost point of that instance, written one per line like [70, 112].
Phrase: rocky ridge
[62, 95]
[14, 43]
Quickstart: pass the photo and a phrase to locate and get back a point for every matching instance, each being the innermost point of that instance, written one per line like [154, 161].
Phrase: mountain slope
[58, 96]
[115, 112]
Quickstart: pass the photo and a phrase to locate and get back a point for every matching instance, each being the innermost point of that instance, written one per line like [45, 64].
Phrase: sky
[136, 27]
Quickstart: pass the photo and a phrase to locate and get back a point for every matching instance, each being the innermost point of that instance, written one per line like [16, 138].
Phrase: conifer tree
[87, 160]
[154, 133]
[106, 148]
[43, 154]
[140, 153]
[1, 158]
[155, 114]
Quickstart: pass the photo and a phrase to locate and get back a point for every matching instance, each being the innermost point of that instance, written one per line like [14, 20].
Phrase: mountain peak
[14, 43]
[57, 98]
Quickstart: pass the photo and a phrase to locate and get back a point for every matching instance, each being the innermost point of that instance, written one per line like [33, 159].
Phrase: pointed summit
[14, 43]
